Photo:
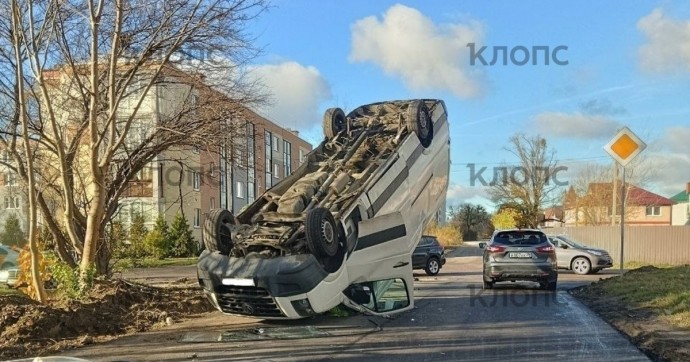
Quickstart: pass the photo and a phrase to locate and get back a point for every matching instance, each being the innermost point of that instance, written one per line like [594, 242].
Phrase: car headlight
[599, 253]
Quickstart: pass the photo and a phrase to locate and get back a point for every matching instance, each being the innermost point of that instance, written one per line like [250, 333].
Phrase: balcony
[138, 189]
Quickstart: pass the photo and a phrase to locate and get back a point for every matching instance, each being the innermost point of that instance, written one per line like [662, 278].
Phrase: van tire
[216, 234]
[419, 122]
[322, 233]
[333, 122]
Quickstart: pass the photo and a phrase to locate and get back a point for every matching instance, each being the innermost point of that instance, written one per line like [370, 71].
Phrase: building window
[287, 158]
[213, 203]
[11, 202]
[250, 192]
[196, 149]
[269, 180]
[197, 218]
[302, 156]
[276, 171]
[239, 189]
[239, 157]
[10, 179]
[653, 211]
[267, 139]
[145, 174]
[196, 180]
[212, 169]
[276, 142]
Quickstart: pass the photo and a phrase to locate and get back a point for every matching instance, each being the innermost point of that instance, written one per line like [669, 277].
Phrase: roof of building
[680, 197]
[600, 193]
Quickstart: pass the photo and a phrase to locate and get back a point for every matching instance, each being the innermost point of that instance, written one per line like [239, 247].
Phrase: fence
[647, 244]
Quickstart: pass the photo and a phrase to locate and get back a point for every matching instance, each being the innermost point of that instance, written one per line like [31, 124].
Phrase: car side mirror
[564, 246]
[381, 296]
[482, 245]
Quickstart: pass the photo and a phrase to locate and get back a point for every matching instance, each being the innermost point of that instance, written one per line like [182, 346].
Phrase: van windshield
[519, 238]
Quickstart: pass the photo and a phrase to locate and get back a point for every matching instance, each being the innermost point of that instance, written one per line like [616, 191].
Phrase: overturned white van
[342, 227]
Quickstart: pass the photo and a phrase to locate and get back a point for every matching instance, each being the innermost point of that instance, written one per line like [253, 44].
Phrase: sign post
[623, 148]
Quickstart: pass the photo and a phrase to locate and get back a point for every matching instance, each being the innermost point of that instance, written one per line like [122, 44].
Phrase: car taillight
[495, 249]
[546, 249]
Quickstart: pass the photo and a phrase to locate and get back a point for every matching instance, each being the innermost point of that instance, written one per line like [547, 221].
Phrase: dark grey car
[579, 258]
[428, 255]
[520, 254]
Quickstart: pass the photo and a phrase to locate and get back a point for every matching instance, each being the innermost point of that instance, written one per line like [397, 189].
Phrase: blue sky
[628, 64]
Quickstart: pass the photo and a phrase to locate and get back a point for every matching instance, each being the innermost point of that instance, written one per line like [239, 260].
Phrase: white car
[342, 227]
[8, 257]
[9, 276]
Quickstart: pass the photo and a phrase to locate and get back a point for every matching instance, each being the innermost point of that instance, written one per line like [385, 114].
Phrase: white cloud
[668, 43]
[574, 125]
[296, 93]
[677, 139]
[669, 172]
[427, 56]
[460, 194]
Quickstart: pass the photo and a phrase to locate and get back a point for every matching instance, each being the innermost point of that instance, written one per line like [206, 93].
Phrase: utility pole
[614, 194]
[622, 220]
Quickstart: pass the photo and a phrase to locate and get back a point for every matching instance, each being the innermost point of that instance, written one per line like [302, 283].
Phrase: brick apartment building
[193, 181]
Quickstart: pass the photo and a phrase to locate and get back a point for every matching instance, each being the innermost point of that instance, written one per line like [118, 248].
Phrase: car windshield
[520, 238]
[573, 242]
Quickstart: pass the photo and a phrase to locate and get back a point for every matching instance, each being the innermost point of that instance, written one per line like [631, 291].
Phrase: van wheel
[216, 233]
[419, 122]
[322, 233]
[333, 122]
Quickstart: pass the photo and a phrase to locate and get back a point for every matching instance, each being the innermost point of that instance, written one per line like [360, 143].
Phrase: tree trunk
[92, 238]
[36, 278]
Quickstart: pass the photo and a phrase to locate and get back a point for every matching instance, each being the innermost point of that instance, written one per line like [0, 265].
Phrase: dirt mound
[113, 308]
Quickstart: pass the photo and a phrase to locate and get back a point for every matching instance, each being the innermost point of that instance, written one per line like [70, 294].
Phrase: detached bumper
[257, 287]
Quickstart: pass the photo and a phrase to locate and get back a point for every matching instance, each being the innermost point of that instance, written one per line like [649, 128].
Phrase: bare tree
[531, 184]
[87, 69]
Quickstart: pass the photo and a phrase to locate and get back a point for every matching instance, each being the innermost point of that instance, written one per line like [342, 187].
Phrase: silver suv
[579, 258]
[520, 254]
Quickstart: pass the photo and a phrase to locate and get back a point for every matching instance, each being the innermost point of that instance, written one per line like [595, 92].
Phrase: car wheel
[216, 233]
[419, 122]
[581, 265]
[488, 285]
[432, 266]
[322, 233]
[333, 122]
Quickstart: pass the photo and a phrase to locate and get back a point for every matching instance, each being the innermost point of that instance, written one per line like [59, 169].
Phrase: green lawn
[4, 290]
[666, 291]
[629, 265]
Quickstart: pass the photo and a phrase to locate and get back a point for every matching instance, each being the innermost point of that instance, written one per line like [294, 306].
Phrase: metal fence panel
[646, 244]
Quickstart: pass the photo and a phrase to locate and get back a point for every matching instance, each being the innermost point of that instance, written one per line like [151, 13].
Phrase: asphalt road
[453, 320]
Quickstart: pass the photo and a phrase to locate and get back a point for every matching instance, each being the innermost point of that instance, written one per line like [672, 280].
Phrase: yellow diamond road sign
[625, 146]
